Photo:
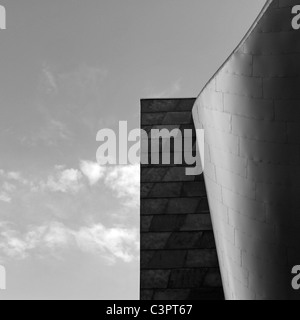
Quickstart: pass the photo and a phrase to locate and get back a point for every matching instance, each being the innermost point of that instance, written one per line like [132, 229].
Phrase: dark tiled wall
[178, 252]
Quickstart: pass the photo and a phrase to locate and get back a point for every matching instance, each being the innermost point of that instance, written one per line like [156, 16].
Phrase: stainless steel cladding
[250, 111]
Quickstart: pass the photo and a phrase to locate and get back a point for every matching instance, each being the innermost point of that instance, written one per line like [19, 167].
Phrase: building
[178, 253]
[250, 112]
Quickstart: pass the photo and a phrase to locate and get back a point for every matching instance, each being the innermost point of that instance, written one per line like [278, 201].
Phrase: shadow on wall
[251, 117]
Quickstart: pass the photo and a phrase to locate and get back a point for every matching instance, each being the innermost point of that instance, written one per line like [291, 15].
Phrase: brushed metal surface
[250, 111]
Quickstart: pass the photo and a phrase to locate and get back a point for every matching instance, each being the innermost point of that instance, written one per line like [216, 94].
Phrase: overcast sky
[69, 229]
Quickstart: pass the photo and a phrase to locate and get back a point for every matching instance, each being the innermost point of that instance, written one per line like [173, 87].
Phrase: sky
[69, 228]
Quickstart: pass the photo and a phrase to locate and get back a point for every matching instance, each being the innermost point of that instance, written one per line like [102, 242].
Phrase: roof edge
[264, 9]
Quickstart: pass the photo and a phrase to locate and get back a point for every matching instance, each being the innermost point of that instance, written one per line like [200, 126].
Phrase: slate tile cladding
[178, 252]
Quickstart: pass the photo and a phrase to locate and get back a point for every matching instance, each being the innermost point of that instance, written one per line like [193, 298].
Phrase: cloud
[112, 244]
[13, 176]
[68, 180]
[50, 134]
[57, 236]
[67, 106]
[75, 88]
[92, 170]
[8, 187]
[57, 214]
[11, 246]
[169, 92]
[48, 81]
[82, 83]
[125, 181]
[15, 245]
[5, 198]
[7, 191]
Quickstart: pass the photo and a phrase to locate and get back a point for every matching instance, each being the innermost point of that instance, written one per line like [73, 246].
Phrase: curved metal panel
[250, 111]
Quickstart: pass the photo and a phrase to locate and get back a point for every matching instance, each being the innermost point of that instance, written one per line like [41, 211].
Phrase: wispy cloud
[9, 183]
[80, 82]
[4, 197]
[48, 81]
[16, 245]
[93, 171]
[125, 181]
[170, 92]
[112, 244]
[12, 176]
[68, 180]
[51, 134]
[67, 106]
[65, 212]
